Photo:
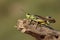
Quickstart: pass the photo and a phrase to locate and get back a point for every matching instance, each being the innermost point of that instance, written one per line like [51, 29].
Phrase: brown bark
[40, 33]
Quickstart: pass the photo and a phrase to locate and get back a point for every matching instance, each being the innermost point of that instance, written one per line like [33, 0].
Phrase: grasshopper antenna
[25, 11]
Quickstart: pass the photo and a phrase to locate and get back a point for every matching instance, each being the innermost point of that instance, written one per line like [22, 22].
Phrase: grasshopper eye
[28, 14]
[48, 17]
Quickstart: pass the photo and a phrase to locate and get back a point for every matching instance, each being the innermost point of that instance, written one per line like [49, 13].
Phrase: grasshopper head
[50, 19]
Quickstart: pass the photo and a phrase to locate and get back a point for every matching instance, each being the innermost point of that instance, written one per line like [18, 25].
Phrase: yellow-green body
[32, 17]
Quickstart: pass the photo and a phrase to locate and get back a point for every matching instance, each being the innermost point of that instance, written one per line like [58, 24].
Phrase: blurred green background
[11, 10]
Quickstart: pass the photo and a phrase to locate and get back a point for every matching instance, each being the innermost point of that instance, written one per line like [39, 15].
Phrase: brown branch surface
[40, 33]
